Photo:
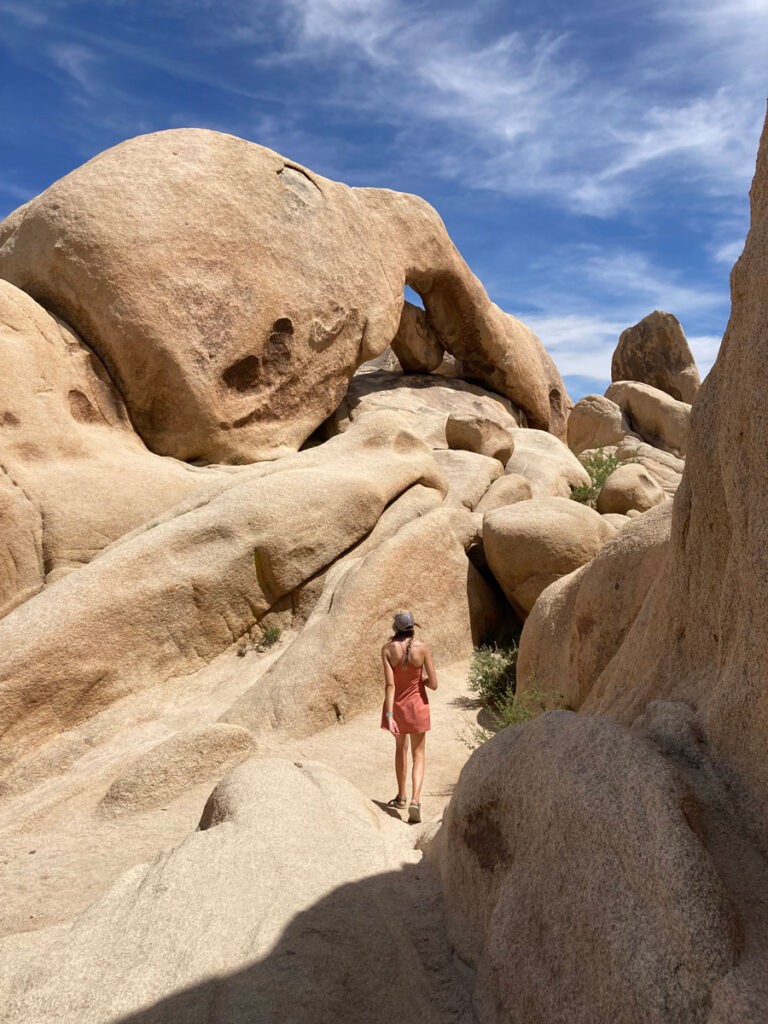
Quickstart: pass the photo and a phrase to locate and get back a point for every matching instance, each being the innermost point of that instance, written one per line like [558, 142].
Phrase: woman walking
[406, 707]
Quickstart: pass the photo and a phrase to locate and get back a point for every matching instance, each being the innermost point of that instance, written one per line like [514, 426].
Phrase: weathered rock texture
[630, 486]
[416, 345]
[231, 293]
[507, 490]
[658, 418]
[656, 352]
[425, 403]
[73, 474]
[579, 622]
[165, 600]
[595, 422]
[551, 469]
[608, 867]
[332, 670]
[532, 543]
[706, 600]
[469, 476]
[288, 904]
[478, 433]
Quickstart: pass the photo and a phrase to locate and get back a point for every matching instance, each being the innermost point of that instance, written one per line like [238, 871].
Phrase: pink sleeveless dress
[411, 707]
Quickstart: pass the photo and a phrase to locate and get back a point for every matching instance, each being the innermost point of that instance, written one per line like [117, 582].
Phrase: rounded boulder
[533, 543]
[630, 486]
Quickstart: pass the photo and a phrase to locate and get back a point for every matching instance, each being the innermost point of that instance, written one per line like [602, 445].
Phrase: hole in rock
[244, 374]
[412, 296]
[283, 325]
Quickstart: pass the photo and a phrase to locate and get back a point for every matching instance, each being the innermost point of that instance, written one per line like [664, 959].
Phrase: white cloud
[729, 252]
[633, 280]
[526, 114]
[705, 348]
[78, 62]
[579, 344]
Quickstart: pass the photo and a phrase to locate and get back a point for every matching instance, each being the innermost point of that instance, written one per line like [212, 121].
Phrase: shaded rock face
[416, 345]
[655, 351]
[595, 860]
[74, 476]
[236, 923]
[281, 284]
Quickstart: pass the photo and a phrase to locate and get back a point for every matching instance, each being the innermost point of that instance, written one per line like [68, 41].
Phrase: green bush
[492, 678]
[492, 673]
[599, 464]
[268, 638]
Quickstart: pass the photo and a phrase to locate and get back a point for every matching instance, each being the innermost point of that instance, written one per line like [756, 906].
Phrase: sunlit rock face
[231, 293]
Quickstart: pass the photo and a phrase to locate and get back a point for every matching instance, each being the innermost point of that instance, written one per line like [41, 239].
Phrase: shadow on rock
[371, 952]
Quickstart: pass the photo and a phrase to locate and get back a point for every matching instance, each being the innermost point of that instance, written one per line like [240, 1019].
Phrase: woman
[406, 708]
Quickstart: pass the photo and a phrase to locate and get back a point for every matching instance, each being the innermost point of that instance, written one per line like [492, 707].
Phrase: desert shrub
[269, 637]
[492, 678]
[266, 639]
[492, 673]
[599, 465]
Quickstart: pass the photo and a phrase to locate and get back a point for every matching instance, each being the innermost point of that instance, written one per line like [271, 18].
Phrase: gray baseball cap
[402, 621]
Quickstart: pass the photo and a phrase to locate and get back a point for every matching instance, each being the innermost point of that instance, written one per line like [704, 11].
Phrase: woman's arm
[389, 693]
[431, 680]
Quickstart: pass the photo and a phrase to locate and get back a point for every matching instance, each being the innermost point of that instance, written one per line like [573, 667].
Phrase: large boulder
[425, 402]
[469, 476]
[531, 544]
[655, 351]
[476, 433]
[232, 293]
[550, 467]
[235, 923]
[595, 422]
[584, 881]
[416, 345]
[507, 490]
[333, 669]
[630, 486]
[165, 600]
[658, 418]
[75, 476]
[579, 622]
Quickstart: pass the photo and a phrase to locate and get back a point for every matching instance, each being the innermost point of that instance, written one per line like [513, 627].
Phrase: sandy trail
[363, 753]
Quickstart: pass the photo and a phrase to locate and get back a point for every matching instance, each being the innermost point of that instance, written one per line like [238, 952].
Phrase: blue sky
[591, 161]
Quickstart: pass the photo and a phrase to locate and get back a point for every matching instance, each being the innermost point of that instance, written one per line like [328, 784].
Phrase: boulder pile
[259, 445]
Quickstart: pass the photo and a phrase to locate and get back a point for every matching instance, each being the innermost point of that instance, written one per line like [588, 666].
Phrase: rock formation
[416, 345]
[281, 284]
[178, 640]
[551, 469]
[658, 419]
[425, 402]
[629, 487]
[656, 352]
[531, 544]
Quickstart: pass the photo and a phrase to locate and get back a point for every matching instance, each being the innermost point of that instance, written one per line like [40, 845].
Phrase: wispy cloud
[525, 114]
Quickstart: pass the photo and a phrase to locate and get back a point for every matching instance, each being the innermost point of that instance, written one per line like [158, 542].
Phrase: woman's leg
[418, 748]
[401, 762]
